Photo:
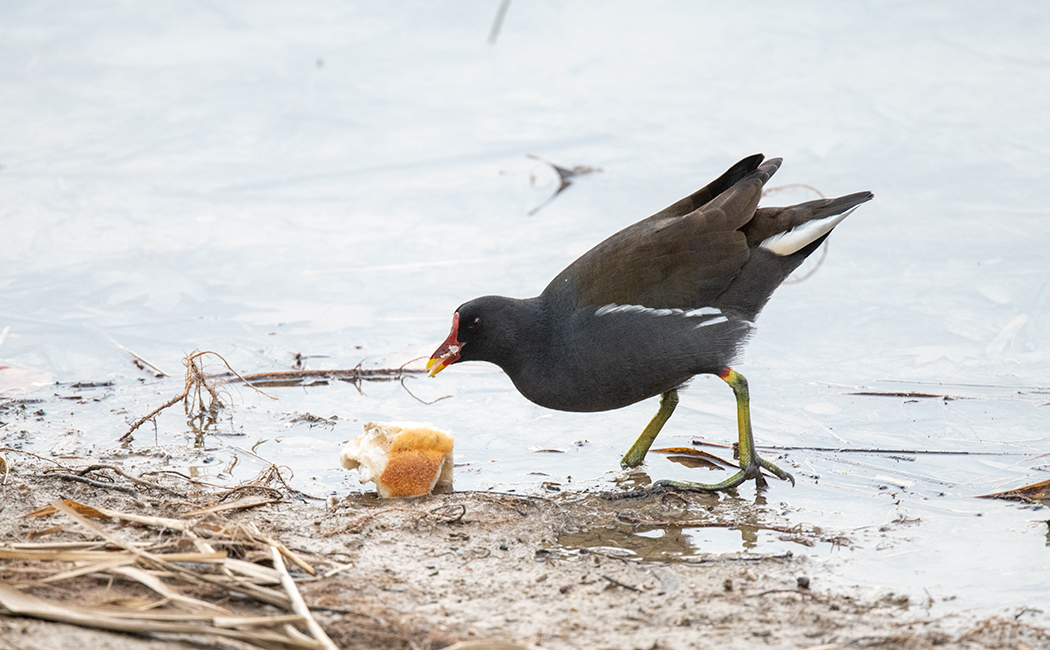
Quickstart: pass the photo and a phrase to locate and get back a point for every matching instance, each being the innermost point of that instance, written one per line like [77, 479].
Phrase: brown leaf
[1036, 492]
[43, 533]
[87, 511]
[694, 462]
[693, 457]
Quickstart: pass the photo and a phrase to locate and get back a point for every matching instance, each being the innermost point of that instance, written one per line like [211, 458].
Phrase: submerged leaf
[1036, 492]
[693, 457]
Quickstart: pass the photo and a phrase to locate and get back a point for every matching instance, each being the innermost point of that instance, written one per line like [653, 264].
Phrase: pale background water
[270, 178]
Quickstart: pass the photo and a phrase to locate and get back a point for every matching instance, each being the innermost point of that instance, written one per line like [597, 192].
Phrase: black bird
[641, 313]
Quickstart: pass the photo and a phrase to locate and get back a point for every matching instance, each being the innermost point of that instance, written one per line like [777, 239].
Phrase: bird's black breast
[607, 357]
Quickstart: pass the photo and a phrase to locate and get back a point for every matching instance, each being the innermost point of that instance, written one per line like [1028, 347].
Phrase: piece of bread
[402, 459]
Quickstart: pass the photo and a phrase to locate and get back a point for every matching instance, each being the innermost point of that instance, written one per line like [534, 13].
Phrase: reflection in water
[667, 527]
[673, 545]
[202, 423]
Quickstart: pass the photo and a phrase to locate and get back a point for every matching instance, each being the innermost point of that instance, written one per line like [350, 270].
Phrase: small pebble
[803, 582]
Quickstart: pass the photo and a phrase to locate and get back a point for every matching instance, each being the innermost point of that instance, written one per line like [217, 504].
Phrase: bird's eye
[474, 324]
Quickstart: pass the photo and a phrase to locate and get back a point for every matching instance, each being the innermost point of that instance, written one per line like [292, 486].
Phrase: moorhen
[641, 313]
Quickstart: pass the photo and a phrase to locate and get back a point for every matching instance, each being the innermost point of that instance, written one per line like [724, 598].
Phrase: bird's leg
[751, 464]
[636, 454]
[750, 461]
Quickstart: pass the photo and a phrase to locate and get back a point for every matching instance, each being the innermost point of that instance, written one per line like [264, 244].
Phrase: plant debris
[192, 396]
[200, 384]
[188, 587]
[236, 568]
[1035, 492]
[565, 178]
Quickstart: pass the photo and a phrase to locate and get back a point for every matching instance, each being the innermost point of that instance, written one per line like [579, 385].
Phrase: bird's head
[484, 329]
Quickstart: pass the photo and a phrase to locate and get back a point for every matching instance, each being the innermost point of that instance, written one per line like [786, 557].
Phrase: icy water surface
[323, 185]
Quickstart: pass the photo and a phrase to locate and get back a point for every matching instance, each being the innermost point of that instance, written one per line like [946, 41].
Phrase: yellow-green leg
[636, 454]
[751, 464]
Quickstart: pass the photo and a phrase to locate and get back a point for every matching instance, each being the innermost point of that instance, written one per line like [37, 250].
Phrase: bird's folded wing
[670, 261]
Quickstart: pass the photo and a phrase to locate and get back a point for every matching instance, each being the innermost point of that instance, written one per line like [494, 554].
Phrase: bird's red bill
[448, 352]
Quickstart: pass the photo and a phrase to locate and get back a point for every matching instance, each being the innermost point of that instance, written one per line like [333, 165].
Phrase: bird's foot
[775, 471]
[752, 471]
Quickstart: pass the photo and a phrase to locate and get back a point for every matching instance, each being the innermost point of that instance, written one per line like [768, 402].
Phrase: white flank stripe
[713, 321]
[703, 311]
[613, 308]
[793, 240]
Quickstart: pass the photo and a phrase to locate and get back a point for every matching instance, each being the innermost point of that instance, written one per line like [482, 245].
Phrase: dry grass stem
[298, 604]
[184, 585]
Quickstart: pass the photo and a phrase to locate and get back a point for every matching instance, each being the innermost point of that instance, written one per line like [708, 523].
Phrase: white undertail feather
[801, 236]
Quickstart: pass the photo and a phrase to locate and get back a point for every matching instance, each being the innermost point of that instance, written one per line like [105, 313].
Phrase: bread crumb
[402, 459]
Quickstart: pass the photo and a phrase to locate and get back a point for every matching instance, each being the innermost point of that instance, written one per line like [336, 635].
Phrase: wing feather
[675, 259]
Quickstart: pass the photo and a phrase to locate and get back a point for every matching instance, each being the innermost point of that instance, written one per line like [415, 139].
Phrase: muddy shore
[473, 566]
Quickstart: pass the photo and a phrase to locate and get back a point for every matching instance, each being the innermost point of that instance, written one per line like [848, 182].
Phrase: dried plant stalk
[198, 384]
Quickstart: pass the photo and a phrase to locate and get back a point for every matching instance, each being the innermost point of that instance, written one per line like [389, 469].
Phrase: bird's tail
[780, 239]
[786, 231]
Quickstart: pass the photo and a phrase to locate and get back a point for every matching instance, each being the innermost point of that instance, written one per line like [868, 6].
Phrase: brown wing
[673, 259]
[703, 196]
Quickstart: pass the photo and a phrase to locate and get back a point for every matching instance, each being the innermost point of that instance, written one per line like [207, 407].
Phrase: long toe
[776, 471]
[690, 486]
[752, 471]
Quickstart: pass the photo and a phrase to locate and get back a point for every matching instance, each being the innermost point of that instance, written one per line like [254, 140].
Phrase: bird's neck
[530, 339]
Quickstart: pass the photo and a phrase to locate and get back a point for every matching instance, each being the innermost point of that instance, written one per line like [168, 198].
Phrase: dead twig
[420, 400]
[274, 493]
[354, 375]
[620, 584]
[139, 361]
[194, 481]
[38, 457]
[146, 418]
[93, 483]
[908, 393]
[865, 450]
[120, 472]
[298, 605]
[241, 504]
[800, 592]
[452, 513]
[565, 178]
[354, 525]
[262, 482]
[197, 384]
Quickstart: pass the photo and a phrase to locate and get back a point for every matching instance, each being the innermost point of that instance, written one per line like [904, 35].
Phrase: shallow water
[266, 181]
